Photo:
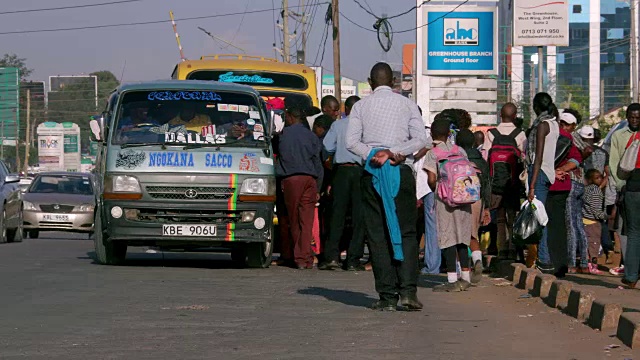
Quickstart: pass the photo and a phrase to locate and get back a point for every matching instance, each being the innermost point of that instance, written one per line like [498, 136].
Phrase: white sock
[476, 256]
[452, 277]
[466, 276]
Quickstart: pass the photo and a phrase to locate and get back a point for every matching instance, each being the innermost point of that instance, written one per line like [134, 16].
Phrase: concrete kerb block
[579, 304]
[604, 316]
[559, 294]
[515, 270]
[629, 329]
[542, 285]
[527, 278]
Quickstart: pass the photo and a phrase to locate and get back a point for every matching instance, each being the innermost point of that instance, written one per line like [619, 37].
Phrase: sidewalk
[596, 300]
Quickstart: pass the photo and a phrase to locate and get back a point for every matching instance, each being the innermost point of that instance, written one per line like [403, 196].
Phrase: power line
[143, 22]
[368, 11]
[68, 7]
[239, 25]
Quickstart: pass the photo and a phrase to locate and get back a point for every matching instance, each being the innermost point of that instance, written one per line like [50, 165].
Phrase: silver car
[10, 206]
[60, 201]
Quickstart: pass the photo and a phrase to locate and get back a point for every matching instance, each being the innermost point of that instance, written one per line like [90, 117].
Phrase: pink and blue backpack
[458, 181]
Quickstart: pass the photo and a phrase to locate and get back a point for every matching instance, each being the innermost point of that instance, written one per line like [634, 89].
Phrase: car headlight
[84, 208]
[256, 186]
[123, 184]
[29, 206]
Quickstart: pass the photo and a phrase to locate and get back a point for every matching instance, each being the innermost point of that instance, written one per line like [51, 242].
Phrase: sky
[147, 52]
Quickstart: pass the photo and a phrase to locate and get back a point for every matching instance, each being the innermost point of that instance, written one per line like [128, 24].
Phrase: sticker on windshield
[254, 114]
[251, 122]
[223, 107]
[130, 159]
[183, 95]
[243, 108]
[249, 162]
[208, 130]
[258, 135]
[266, 161]
[192, 138]
[258, 128]
[233, 107]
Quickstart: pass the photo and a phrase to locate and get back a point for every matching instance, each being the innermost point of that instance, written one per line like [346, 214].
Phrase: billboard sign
[50, 152]
[9, 104]
[540, 23]
[463, 42]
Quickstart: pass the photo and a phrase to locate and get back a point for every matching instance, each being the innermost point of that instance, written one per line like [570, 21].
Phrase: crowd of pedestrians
[378, 177]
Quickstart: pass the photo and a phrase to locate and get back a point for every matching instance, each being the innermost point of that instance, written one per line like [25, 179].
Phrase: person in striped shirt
[592, 213]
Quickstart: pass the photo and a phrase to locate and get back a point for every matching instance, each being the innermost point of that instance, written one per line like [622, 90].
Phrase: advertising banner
[71, 144]
[347, 90]
[540, 23]
[463, 42]
[50, 151]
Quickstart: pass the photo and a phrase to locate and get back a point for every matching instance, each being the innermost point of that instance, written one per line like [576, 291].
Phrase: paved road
[55, 303]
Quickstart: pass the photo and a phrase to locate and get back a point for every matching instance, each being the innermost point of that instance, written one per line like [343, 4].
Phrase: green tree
[76, 102]
[12, 60]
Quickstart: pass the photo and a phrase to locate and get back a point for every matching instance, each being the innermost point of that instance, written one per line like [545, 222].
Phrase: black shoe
[381, 305]
[331, 265]
[545, 268]
[359, 267]
[410, 303]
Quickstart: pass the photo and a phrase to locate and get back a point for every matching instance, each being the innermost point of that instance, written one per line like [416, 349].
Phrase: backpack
[458, 181]
[504, 161]
[562, 150]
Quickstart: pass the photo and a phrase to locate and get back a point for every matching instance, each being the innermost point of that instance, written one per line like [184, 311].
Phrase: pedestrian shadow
[430, 281]
[593, 281]
[351, 298]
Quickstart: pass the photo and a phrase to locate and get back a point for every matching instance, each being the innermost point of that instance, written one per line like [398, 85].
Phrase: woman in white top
[542, 138]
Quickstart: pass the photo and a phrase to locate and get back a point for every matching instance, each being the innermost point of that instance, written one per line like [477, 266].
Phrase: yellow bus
[270, 77]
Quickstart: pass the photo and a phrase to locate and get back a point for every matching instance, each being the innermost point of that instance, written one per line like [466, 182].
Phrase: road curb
[542, 285]
[527, 277]
[579, 304]
[575, 302]
[629, 329]
[604, 316]
[559, 294]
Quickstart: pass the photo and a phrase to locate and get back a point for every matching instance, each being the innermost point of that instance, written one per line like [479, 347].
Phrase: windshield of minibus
[196, 118]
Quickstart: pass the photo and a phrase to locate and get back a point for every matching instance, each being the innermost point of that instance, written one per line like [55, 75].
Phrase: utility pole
[303, 22]
[532, 90]
[634, 50]
[540, 70]
[337, 78]
[27, 145]
[285, 30]
[601, 117]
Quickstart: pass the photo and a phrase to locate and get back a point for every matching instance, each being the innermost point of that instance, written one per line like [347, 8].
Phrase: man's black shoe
[331, 265]
[381, 305]
[545, 268]
[359, 267]
[410, 303]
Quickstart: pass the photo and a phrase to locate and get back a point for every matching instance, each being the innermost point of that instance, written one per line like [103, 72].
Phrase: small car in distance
[59, 201]
[10, 206]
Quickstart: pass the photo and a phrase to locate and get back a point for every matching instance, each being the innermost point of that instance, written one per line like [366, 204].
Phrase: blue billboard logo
[461, 31]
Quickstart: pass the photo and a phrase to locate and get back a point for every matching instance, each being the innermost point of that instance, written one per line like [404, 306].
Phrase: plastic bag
[527, 230]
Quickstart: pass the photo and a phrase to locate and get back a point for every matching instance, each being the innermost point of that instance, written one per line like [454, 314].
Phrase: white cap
[586, 132]
[568, 118]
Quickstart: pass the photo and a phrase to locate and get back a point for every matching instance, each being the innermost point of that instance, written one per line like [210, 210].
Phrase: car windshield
[62, 184]
[189, 117]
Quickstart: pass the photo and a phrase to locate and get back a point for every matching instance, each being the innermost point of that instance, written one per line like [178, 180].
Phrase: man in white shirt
[432, 252]
[506, 206]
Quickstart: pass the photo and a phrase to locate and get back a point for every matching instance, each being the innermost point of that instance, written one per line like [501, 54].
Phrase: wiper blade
[124, 146]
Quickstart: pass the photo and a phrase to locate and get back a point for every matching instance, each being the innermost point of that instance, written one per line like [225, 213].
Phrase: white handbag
[629, 159]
